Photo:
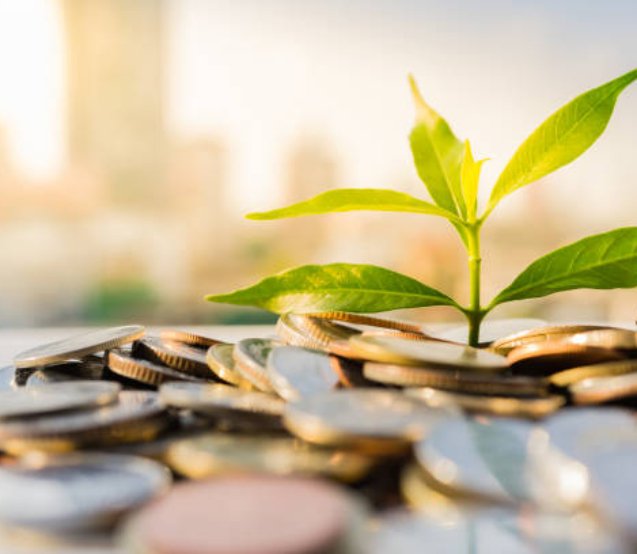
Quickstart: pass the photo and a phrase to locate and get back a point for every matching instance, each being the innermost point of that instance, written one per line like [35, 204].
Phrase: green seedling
[451, 174]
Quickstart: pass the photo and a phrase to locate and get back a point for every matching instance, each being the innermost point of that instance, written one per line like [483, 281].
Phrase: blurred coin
[188, 337]
[136, 416]
[315, 333]
[379, 421]
[220, 359]
[577, 374]
[491, 330]
[8, 378]
[250, 360]
[596, 390]
[350, 372]
[530, 407]
[431, 353]
[420, 495]
[79, 346]
[556, 355]
[369, 321]
[248, 514]
[89, 368]
[181, 357]
[456, 380]
[296, 372]
[552, 332]
[143, 371]
[217, 454]
[619, 339]
[77, 492]
[56, 397]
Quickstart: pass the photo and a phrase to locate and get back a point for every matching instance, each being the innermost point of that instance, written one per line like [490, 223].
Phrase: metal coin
[175, 355]
[188, 337]
[220, 360]
[369, 321]
[216, 454]
[56, 397]
[8, 378]
[619, 339]
[596, 390]
[79, 346]
[492, 330]
[144, 371]
[247, 514]
[416, 490]
[296, 372]
[350, 372]
[314, 333]
[77, 492]
[90, 368]
[577, 374]
[374, 420]
[431, 353]
[250, 357]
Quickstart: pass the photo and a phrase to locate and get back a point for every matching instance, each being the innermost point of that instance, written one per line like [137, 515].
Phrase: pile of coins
[341, 434]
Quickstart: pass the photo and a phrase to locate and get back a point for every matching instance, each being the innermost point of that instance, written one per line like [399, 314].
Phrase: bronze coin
[246, 514]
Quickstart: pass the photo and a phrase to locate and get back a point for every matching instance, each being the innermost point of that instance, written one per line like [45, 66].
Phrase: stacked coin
[301, 442]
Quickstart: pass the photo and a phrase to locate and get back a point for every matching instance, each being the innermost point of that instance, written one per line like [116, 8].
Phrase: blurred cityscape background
[134, 134]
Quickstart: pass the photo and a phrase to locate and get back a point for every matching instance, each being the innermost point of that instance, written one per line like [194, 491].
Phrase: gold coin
[397, 350]
[369, 321]
[144, 371]
[456, 380]
[173, 354]
[317, 334]
[221, 362]
[504, 406]
[78, 346]
[557, 355]
[577, 374]
[619, 339]
[188, 337]
[217, 454]
[250, 360]
[596, 390]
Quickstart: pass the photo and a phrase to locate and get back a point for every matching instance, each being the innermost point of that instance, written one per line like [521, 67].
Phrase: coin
[314, 333]
[78, 346]
[89, 368]
[492, 330]
[350, 372]
[378, 421]
[77, 492]
[248, 514]
[577, 374]
[533, 407]
[220, 360]
[296, 372]
[430, 353]
[369, 321]
[420, 495]
[250, 359]
[596, 390]
[8, 378]
[619, 339]
[217, 454]
[57, 397]
[456, 380]
[177, 356]
[188, 337]
[141, 370]
[135, 417]
[555, 355]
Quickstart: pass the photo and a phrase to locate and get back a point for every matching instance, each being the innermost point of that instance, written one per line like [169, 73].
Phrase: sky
[260, 74]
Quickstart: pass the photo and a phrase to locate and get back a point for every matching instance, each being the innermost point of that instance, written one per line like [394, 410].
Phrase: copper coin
[249, 514]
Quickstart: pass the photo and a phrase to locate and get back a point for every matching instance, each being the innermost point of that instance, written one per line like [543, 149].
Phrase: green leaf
[605, 261]
[564, 136]
[437, 155]
[469, 180]
[346, 200]
[342, 287]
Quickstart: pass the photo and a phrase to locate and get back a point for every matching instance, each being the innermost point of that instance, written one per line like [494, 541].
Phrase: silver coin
[250, 356]
[298, 372]
[77, 492]
[78, 346]
[91, 368]
[491, 330]
[175, 355]
[56, 397]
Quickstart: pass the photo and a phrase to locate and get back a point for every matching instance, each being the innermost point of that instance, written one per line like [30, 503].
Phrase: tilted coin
[378, 421]
[141, 370]
[557, 355]
[550, 333]
[137, 416]
[350, 372]
[456, 380]
[596, 390]
[220, 453]
[369, 321]
[484, 459]
[419, 494]
[296, 372]
[607, 369]
[8, 378]
[77, 492]
[188, 337]
[89, 368]
[250, 358]
[430, 353]
[181, 357]
[491, 330]
[529, 407]
[56, 397]
[619, 339]
[220, 358]
[78, 346]
[315, 333]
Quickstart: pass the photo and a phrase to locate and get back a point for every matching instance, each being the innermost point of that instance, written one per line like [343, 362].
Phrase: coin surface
[220, 453]
[283, 516]
[78, 346]
[220, 359]
[181, 357]
[492, 330]
[89, 368]
[141, 370]
[607, 369]
[188, 337]
[397, 350]
[619, 339]
[56, 397]
[77, 492]
[250, 361]
[369, 321]
[596, 390]
[296, 372]
[314, 333]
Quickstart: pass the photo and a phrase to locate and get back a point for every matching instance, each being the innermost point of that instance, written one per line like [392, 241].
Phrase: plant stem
[474, 312]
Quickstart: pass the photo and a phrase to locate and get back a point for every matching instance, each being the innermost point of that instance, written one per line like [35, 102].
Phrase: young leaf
[566, 134]
[346, 200]
[469, 179]
[605, 261]
[437, 155]
[342, 287]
